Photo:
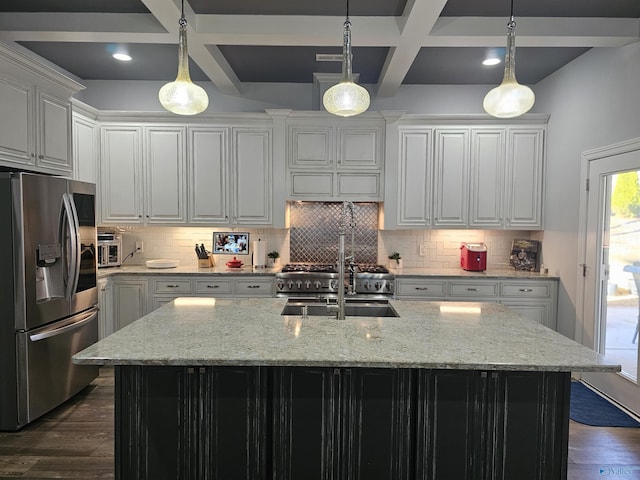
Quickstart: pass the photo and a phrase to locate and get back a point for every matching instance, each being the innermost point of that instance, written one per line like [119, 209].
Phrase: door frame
[587, 330]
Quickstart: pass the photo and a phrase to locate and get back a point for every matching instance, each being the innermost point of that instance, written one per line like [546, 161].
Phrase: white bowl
[163, 263]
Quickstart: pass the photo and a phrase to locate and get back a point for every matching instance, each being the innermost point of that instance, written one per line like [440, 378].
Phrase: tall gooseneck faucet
[347, 220]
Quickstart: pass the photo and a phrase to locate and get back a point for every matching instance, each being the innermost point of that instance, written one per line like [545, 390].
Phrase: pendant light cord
[512, 22]
[183, 21]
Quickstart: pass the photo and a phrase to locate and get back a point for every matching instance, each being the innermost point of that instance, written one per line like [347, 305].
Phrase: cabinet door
[415, 178]
[164, 171]
[540, 311]
[375, 424]
[106, 325]
[17, 144]
[525, 163]
[451, 419]
[54, 133]
[129, 301]
[208, 160]
[121, 174]
[85, 149]
[305, 444]
[310, 146]
[451, 178]
[359, 148]
[487, 178]
[251, 176]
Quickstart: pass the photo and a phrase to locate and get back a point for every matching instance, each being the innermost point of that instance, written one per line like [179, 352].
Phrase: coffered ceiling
[395, 42]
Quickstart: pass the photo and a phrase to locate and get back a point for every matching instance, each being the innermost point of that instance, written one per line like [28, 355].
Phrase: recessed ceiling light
[123, 57]
[491, 61]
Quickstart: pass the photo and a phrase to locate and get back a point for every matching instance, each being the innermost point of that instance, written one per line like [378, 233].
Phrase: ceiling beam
[416, 22]
[210, 60]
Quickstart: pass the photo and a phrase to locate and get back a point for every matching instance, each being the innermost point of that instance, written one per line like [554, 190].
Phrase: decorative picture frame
[231, 243]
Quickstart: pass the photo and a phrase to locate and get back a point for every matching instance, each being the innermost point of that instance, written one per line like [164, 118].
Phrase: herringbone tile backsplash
[315, 232]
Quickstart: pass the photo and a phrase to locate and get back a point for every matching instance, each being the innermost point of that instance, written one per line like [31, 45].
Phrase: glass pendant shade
[509, 99]
[346, 98]
[182, 96]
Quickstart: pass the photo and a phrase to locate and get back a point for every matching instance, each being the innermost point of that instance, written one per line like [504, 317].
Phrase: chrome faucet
[347, 220]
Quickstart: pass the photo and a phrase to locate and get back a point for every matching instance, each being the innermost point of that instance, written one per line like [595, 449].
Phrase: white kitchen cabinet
[86, 142]
[106, 321]
[143, 174]
[451, 178]
[487, 178]
[121, 174]
[534, 298]
[208, 166]
[35, 119]
[524, 180]
[330, 159]
[164, 168]
[251, 176]
[230, 182]
[415, 170]
[129, 300]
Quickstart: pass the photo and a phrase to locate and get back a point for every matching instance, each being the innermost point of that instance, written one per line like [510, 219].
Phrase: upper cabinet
[35, 119]
[467, 176]
[335, 159]
[143, 174]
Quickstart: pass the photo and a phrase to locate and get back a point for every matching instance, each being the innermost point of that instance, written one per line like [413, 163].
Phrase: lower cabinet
[341, 423]
[129, 301]
[536, 299]
[305, 423]
[106, 325]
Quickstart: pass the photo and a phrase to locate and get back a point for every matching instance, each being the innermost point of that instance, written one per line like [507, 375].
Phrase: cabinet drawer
[420, 289]
[527, 289]
[254, 287]
[171, 286]
[213, 287]
[474, 289]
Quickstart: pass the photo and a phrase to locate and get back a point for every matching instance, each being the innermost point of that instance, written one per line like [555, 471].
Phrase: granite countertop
[433, 335]
[506, 273]
[492, 273]
[185, 270]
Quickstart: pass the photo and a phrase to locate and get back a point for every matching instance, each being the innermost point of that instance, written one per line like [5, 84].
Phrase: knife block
[205, 262]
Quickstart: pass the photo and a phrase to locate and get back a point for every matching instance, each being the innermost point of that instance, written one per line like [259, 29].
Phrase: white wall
[594, 101]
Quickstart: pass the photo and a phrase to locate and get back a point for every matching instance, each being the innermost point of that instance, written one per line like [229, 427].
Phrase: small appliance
[109, 249]
[473, 257]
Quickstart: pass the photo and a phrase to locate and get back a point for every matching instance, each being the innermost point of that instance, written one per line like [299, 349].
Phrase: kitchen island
[229, 388]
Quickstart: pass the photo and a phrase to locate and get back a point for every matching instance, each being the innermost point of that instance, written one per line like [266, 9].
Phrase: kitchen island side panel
[235, 422]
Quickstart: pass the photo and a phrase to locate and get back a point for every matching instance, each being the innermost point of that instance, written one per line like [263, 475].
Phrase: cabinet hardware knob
[253, 286]
[33, 155]
[526, 290]
[172, 286]
[40, 157]
[473, 289]
[422, 288]
[213, 286]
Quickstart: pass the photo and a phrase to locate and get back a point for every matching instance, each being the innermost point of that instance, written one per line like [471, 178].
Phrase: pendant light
[182, 96]
[509, 99]
[346, 98]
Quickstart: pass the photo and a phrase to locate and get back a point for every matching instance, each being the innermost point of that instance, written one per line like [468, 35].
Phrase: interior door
[610, 297]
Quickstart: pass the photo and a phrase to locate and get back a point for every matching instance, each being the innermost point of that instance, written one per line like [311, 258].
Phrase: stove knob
[367, 285]
[378, 285]
[280, 284]
[299, 284]
[290, 284]
[307, 284]
[317, 284]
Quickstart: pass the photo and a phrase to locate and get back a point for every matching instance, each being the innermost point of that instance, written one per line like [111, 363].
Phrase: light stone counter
[185, 270]
[496, 273]
[432, 335]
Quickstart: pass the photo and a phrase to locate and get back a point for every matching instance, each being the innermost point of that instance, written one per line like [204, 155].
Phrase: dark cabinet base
[300, 423]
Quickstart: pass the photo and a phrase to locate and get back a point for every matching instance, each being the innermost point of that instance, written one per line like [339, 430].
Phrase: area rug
[589, 408]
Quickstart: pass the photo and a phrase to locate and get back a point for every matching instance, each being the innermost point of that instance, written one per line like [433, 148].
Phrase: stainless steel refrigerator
[48, 292]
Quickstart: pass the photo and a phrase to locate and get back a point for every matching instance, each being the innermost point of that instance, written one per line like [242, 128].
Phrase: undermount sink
[353, 308]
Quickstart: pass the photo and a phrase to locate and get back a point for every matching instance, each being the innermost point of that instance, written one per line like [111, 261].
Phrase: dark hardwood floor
[75, 441]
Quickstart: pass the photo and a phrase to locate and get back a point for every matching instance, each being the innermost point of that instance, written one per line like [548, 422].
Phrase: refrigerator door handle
[74, 243]
[77, 322]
